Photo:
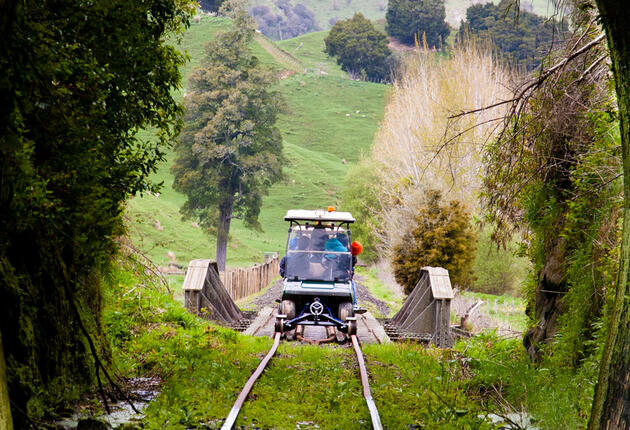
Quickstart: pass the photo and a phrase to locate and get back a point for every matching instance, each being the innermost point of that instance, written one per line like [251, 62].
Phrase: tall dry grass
[420, 148]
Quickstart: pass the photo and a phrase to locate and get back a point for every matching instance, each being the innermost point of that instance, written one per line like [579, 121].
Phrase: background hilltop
[327, 12]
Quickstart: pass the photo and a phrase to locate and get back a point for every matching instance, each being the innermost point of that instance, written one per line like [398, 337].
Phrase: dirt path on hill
[282, 56]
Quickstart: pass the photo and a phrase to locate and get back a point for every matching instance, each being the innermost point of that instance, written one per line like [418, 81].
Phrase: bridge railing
[244, 281]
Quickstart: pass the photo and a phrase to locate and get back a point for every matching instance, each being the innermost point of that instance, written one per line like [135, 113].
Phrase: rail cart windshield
[318, 253]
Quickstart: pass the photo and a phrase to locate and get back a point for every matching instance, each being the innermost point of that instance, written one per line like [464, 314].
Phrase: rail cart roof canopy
[318, 215]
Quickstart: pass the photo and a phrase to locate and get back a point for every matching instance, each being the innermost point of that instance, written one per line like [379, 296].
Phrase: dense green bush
[413, 20]
[79, 80]
[360, 48]
[524, 40]
[442, 236]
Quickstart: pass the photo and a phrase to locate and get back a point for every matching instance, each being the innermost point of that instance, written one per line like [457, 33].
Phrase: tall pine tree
[230, 151]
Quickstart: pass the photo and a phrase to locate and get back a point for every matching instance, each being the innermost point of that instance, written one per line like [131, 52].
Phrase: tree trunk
[223, 230]
[6, 422]
[548, 302]
[611, 404]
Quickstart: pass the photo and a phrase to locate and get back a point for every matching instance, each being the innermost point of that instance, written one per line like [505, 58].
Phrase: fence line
[244, 281]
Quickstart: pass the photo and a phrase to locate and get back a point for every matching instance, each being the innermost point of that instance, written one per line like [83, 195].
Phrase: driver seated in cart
[296, 254]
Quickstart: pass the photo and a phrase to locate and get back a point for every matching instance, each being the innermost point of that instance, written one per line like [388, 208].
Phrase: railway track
[367, 394]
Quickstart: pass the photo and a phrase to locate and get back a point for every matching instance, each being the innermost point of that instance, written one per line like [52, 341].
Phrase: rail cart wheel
[287, 307]
[279, 325]
[345, 311]
[352, 326]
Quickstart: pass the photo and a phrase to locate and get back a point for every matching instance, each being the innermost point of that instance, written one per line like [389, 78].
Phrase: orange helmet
[356, 248]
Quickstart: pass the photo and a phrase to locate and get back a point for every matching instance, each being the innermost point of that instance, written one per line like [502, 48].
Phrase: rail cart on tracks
[318, 290]
[318, 268]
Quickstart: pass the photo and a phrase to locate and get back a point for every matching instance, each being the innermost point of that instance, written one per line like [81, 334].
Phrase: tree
[523, 37]
[359, 48]
[442, 237]
[230, 151]
[611, 405]
[79, 80]
[411, 20]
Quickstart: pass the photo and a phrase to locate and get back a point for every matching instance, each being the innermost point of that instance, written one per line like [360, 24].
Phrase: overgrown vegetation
[479, 384]
[564, 188]
[361, 50]
[70, 156]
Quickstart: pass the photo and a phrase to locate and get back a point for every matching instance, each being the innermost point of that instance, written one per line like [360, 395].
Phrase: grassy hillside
[329, 119]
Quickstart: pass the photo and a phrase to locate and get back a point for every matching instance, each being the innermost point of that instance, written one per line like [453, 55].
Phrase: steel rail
[376, 419]
[229, 421]
[367, 394]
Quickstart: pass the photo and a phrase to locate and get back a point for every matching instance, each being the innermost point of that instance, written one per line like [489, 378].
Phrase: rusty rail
[229, 422]
[367, 393]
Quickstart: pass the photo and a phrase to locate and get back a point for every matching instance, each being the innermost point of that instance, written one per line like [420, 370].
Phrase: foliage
[498, 269]
[230, 151]
[441, 236]
[523, 37]
[360, 197]
[563, 189]
[291, 22]
[459, 388]
[78, 82]
[414, 21]
[195, 358]
[360, 49]
[501, 373]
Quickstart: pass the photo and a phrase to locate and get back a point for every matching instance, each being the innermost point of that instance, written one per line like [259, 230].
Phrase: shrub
[359, 48]
[524, 41]
[360, 197]
[410, 20]
[442, 236]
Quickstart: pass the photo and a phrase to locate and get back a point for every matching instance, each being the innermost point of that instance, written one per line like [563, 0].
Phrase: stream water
[120, 412]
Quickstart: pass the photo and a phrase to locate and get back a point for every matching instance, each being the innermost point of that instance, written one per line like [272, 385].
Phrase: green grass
[320, 129]
[203, 367]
